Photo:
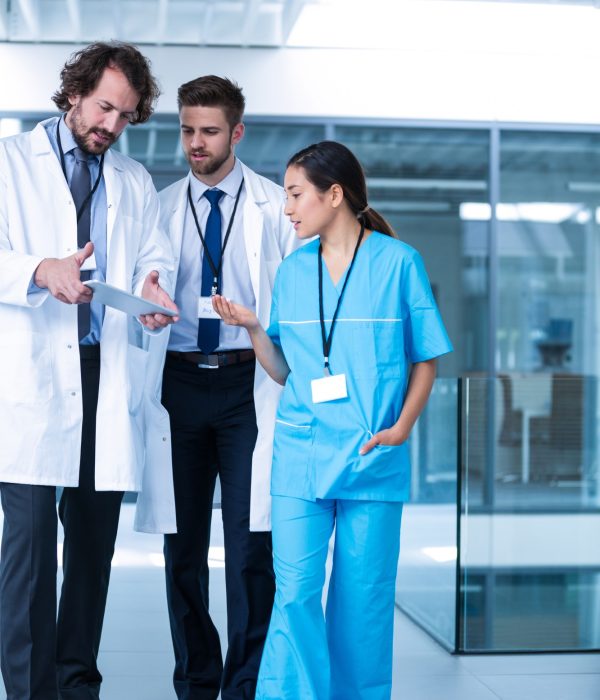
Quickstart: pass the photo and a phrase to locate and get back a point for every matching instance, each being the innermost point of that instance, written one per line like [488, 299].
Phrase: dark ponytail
[330, 163]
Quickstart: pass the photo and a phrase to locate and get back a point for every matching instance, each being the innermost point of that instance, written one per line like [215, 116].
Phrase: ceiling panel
[177, 22]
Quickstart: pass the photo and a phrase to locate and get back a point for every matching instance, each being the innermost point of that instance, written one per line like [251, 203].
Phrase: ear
[336, 194]
[237, 133]
[73, 99]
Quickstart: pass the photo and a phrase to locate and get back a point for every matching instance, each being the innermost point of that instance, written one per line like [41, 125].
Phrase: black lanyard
[88, 199]
[215, 270]
[325, 338]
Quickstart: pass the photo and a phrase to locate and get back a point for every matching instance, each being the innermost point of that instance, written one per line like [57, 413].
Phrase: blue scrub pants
[345, 654]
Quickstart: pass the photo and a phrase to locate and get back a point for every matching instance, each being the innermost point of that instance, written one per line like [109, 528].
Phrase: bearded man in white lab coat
[229, 234]
[71, 371]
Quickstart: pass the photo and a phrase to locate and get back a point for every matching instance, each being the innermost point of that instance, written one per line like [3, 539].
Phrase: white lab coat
[40, 382]
[269, 237]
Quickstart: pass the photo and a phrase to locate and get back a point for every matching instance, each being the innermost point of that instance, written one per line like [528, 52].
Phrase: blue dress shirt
[98, 218]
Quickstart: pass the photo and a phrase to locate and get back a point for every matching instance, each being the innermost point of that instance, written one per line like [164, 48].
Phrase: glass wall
[529, 563]
[426, 586]
[529, 568]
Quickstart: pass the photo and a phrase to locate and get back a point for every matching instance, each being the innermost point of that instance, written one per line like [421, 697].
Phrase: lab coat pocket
[137, 361]
[25, 368]
[292, 451]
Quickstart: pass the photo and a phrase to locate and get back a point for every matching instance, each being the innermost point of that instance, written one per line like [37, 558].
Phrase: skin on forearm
[421, 380]
[268, 354]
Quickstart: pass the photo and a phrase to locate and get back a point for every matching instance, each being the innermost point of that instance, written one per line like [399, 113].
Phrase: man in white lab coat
[71, 371]
[229, 235]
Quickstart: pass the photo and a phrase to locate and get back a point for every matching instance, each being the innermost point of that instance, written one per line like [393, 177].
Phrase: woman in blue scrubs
[353, 337]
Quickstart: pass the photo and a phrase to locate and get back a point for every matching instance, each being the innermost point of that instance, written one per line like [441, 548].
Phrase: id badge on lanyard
[205, 308]
[331, 387]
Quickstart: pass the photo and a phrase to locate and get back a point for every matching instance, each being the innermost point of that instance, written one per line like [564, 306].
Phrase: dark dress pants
[90, 519]
[28, 592]
[34, 647]
[213, 430]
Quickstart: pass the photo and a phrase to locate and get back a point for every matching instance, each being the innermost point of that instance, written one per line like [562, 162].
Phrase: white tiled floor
[136, 658]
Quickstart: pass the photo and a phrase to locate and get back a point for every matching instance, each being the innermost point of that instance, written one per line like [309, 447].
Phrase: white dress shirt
[235, 276]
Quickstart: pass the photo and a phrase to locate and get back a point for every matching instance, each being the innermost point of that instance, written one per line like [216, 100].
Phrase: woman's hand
[234, 314]
[268, 354]
[420, 382]
[390, 436]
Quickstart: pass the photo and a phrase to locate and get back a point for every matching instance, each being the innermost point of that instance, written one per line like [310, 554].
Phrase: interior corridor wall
[393, 84]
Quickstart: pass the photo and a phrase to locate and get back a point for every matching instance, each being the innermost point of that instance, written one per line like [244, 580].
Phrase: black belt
[89, 352]
[216, 360]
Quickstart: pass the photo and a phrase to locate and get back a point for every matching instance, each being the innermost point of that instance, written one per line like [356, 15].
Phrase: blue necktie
[208, 328]
[80, 188]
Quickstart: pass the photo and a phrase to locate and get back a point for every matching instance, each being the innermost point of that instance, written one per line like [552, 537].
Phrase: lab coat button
[69, 346]
[73, 393]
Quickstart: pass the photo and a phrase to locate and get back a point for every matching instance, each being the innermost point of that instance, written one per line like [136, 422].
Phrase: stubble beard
[82, 135]
[210, 165]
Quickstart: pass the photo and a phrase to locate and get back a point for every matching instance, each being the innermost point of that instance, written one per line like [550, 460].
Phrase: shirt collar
[230, 184]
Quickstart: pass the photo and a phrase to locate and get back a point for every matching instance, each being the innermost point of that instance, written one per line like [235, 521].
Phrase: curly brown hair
[82, 72]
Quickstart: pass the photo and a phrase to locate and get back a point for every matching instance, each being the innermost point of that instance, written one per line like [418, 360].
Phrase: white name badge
[205, 308]
[89, 264]
[329, 388]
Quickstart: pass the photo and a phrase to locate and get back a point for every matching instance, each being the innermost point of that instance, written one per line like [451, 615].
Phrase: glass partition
[530, 564]
[426, 583]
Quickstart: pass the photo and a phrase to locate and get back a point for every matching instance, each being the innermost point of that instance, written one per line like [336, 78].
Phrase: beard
[211, 164]
[83, 134]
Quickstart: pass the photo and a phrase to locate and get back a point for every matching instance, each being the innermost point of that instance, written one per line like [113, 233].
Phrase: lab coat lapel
[114, 188]
[47, 159]
[253, 228]
[176, 222]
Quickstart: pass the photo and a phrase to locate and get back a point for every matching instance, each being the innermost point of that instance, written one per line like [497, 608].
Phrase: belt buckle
[201, 365]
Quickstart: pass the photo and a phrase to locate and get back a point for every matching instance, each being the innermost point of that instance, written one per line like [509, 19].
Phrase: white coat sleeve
[16, 266]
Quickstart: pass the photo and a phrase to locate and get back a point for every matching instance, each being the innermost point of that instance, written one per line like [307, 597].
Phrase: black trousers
[213, 430]
[42, 658]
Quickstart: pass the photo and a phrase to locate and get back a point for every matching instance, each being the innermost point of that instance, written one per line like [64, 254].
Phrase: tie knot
[80, 155]
[213, 196]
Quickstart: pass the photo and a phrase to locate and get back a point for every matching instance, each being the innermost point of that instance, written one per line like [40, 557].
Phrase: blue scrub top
[387, 320]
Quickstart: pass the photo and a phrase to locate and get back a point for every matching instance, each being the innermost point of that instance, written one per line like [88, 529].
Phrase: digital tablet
[119, 299]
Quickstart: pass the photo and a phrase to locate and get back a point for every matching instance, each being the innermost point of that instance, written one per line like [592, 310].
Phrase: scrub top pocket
[379, 349]
[292, 455]
[383, 473]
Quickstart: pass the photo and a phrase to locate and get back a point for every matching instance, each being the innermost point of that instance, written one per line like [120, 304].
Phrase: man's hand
[152, 291]
[60, 276]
